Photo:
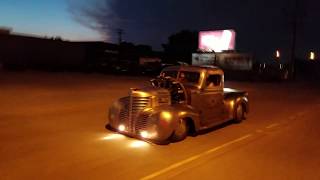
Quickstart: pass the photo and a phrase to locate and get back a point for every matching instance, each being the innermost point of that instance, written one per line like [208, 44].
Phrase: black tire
[239, 113]
[181, 131]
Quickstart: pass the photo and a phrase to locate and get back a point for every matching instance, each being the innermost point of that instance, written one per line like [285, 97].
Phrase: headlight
[144, 134]
[121, 128]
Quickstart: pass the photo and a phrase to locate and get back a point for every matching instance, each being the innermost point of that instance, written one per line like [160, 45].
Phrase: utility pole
[120, 33]
[294, 40]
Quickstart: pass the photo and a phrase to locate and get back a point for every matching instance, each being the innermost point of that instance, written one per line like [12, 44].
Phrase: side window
[189, 77]
[213, 80]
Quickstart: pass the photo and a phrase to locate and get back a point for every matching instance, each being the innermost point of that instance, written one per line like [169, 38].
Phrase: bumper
[147, 125]
[136, 136]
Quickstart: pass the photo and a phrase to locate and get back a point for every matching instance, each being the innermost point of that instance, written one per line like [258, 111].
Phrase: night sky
[261, 26]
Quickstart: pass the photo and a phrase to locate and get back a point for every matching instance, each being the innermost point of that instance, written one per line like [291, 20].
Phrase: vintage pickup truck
[183, 100]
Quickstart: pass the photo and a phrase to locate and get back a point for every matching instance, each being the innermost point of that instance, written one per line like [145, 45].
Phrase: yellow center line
[259, 131]
[181, 163]
[272, 125]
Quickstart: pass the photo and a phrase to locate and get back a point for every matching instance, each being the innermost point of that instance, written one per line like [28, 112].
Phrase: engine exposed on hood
[176, 89]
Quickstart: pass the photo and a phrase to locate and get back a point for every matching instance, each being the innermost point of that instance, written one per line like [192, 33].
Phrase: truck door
[211, 98]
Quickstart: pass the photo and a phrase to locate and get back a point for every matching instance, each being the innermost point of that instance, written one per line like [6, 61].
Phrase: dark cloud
[261, 26]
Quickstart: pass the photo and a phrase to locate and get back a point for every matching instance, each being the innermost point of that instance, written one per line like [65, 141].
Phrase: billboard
[225, 60]
[217, 41]
[234, 61]
[203, 58]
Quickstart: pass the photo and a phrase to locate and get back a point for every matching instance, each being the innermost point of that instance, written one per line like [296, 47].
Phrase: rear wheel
[181, 131]
[240, 113]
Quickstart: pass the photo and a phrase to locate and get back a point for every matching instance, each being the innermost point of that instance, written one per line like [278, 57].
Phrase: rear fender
[241, 101]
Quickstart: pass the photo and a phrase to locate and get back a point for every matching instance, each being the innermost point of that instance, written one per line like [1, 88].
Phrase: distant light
[121, 128]
[312, 56]
[113, 137]
[277, 54]
[138, 144]
[144, 134]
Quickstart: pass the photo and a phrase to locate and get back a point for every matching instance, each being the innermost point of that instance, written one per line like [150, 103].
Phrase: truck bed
[233, 93]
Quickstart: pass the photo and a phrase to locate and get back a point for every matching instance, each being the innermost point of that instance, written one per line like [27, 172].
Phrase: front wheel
[240, 113]
[180, 132]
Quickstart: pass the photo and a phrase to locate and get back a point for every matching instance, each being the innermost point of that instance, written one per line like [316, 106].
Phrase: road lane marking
[292, 117]
[259, 131]
[272, 125]
[181, 163]
[302, 113]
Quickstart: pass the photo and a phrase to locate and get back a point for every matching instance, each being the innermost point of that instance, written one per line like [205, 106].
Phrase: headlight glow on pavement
[139, 144]
[113, 137]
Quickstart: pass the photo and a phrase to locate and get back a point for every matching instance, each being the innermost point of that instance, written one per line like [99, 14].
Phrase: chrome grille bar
[137, 104]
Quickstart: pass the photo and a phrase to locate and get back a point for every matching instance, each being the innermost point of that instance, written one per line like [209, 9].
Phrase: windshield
[172, 74]
[191, 78]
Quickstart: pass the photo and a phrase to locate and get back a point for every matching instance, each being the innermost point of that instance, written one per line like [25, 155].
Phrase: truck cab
[206, 92]
[182, 100]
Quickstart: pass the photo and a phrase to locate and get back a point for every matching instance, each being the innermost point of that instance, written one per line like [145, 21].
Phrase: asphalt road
[52, 127]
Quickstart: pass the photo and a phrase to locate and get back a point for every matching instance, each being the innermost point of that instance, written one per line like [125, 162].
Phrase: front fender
[163, 121]
[169, 117]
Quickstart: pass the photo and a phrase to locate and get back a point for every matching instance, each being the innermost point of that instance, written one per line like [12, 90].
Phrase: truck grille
[124, 112]
[131, 107]
[138, 104]
[141, 123]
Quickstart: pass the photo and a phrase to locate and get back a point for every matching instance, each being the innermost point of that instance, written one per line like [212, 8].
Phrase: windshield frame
[198, 85]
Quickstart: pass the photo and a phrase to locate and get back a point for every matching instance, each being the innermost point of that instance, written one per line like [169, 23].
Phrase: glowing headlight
[144, 134]
[121, 128]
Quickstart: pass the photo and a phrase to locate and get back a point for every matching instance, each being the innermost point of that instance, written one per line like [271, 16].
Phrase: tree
[180, 46]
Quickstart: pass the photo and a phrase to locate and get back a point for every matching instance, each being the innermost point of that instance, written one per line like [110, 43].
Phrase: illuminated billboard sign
[217, 41]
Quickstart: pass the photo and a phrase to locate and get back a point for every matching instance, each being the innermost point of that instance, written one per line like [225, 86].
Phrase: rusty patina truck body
[183, 100]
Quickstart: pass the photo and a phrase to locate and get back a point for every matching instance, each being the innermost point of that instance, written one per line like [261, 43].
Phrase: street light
[312, 55]
[278, 54]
